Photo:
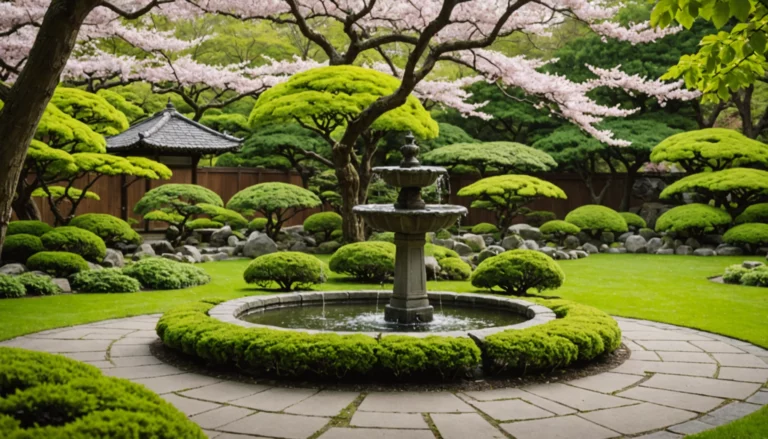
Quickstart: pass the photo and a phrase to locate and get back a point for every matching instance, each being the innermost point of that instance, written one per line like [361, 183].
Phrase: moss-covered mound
[19, 247]
[28, 227]
[633, 220]
[58, 264]
[75, 240]
[595, 219]
[111, 229]
[692, 220]
[50, 396]
[749, 234]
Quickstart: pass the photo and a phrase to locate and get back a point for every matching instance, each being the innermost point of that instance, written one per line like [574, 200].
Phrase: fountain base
[408, 316]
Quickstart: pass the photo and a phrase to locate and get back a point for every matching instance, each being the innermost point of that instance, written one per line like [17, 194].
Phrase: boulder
[447, 243]
[173, 256]
[516, 228]
[751, 264]
[578, 254]
[161, 247]
[193, 252]
[562, 255]
[229, 251]
[294, 230]
[571, 242]
[239, 248]
[13, 269]
[691, 242]
[220, 256]
[531, 244]
[623, 237]
[219, 238]
[209, 250]
[260, 245]
[683, 250]
[648, 234]
[729, 251]
[125, 248]
[607, 237]
[190, 260]
[310, 241]
[432, 266]
[192, 241]
[325, 248]
[604, 248]
[94, 267]
[232, 241]
[207, 258]
[512, 242]
[665, 251]
[488, 240]
[253, 235]
[614, 250]
[475, 242]
[589, 248]
[584, 237]
[462, 249]
[704, 252]
[650, 212]
[653, 245]
[299, 246]
[171, 233]
[489, 252]
[526, 232]
[677, 243]
[63, 283]
[144, 251]
[636, 244]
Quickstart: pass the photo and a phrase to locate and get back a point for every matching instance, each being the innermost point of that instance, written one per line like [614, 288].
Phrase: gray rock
[636, 244]
[712, 239]
[488, 240]
[474, 258]
[462, 249]
[232, 241]
[192, 241]
[326, 248]
[650, 212]
[562, 255]
[432, 266]
[516, 228]
[161, 246]
[63, 284]
[447, 243]
[614, 250]
[475, 242]
[653, 245]
[310, 241]
[299, 246]
[623, 237]
[489, 252]
[239, 248]
[677, 243]
[607, 237]
[512, 242]
[584, 237]
[190, 260]
[207, 258]
[526, 232]
[147, 249]
[219, 238]
[220, 256]
[751, 264]
[694, 244]
[549, 251]
[665, 251]
[604, 248]
[729, 251]
[531, 244]
[173, 257]
[704, 252]
[208, 250]
[125, 248]
[171, 233]
[296, 230]
[193, 252]
[578, 254]
[13, 269]
[648, 234]
[683, 250]
[571, 242]
[260, 245]
[589, 248]
[229, 251]
[253, 235]
[95, 267]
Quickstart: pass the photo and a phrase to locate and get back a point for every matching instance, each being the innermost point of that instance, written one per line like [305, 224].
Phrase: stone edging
[229, 311]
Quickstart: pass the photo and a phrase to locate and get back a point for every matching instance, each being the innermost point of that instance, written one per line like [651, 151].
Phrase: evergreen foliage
[165, 274]
[75, 240]
[19, 247]
[111, 229]
[278, 202]
[109, 280]
[454, 268]
[92, 109]
[692, 220]
[559, 228]
[57, 264]
[711, 149]
[439, 252]
[203, 223]
[633, 220]
[371, 261]
[753, 235]
[504, 157]
[517, 271]
[257, 224]
[131, 111]
[756, 213]
[484, 228]
[595, 219]
[28, 227]
[232, 123]
[734, 189]
[289, 270]
[323, 223]
[176, 204]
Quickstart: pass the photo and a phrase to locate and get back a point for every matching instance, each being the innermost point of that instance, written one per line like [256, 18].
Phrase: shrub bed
[454, 269]
[111, 229]
[19, 247]
[37, 285]
[74, 240]
[109, 280]
[365, 261]
[439, 252]
[28, 227]
[287, 269]
[323, 224]
[517, 271]
[10, 287]
[753, 235]
[595, 219]
[165, 274]
[50, 396]
[203, 223]
[57, 264]
[753, 277]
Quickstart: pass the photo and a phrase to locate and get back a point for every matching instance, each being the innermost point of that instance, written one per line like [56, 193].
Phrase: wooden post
[195, 161]
[123, 198]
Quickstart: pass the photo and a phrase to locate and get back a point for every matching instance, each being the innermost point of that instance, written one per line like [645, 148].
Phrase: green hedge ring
[46, 395]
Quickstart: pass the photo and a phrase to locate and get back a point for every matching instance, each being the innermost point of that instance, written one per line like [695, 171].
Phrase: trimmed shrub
[365, 261]
[633, 220]
[595, 219]
[692, 220]
[383, 237]
[288, 269]
[28, 227]
[323, 223]
[110, 280]
[756, 213]
[111, 229]
[536, 218]
[484, 229]
[443, 234]
[750, 234]
[57, 264]
[37, 285]
[204, 223]
[517, 271]
[756, 277]
[559, 228]
[10, 287]
[337, 235]
[257, 225]
[75, 240]
[165, 274]
[50, 396]
[439, 252]
[446, 356]
[454, 269]
[734, 273]
[18, 248]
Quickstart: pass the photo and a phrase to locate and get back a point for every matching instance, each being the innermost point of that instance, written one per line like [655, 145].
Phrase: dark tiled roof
[169, 131]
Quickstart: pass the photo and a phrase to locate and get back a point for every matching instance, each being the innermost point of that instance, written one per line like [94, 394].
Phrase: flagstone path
[677, 381]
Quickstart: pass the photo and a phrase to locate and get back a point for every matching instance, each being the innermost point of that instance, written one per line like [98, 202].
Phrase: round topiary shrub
[595, 219]
[365, 261]
[454, 269]
[165, 274]
[57, 264]
[37, 285]
[11, 288]
[439, 252]
[109, 280]
[323, 223]
[257, 225]
[754, 235]
[756, 213]
[517, 271]
[559, 228]
[383, 237]
[756, 277]
[74, 240]
[28, 227]
[51, 396]
[633, 220]
[18, 248]
[290, 270]
[443, 234]
[484, 228]
[111, 229]
[734, 273]
[692, 220]
[203, 223]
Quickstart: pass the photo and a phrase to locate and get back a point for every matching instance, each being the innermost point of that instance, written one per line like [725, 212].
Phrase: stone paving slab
[686, 357]
[638, 418]
[728, 413]
[143, 360]
[576, 398]
[759, 398]
[644, 355]
[660, 435]
[565, 427]
[275, 399]
[176, 383]
[702, 386]
[465, 425]
[685, 401]
[717, 347]
[414, 402]
[153, 371]
[605, 382]
[674, 346]
[373, 433]
[743, 374]
[635, 367]
[511, 410]
[325, 403]
[225, 391]
[690, 427]
[221, 416]
[740, 360]
[276, 425]
[190, 407]
[388, 420]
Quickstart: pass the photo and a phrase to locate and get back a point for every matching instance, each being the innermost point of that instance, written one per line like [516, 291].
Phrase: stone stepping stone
[638, 418]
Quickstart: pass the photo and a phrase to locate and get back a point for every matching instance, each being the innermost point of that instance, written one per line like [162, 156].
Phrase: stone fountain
[410, 218]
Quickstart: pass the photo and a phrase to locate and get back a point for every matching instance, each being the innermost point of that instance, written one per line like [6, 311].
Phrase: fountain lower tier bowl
[410, 221]
[419, 176]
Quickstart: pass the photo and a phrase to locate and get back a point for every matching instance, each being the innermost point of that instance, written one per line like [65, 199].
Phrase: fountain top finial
[409, 151]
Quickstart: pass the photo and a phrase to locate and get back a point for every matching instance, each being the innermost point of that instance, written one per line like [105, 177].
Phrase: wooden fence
[228, 181]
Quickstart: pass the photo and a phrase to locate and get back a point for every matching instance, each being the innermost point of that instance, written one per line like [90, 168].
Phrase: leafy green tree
[326, 186]
[712, 149]
[505, 195]
[90, 109]
[131, 111]
[277, 202]
[504, 157]
[231, 123]
[326, 100]
[732, 189]
[176, 204]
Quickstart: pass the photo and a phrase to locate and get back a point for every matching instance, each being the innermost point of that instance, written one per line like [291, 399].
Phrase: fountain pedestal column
[409, 303]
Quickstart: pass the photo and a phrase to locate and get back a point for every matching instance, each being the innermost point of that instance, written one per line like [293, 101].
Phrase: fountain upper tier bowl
[418, 176]
[411, 221]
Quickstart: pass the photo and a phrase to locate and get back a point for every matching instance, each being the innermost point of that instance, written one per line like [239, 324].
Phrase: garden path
[677, 381]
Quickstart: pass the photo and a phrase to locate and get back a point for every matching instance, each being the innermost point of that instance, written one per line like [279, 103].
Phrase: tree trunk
[349, 187]
[629, 184]
[32, 90]
[26, 209]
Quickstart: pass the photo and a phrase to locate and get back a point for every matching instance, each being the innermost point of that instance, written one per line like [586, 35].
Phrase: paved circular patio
[677, 381]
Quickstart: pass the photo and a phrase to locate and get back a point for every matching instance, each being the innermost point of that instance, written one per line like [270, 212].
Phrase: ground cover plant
[109, 280]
